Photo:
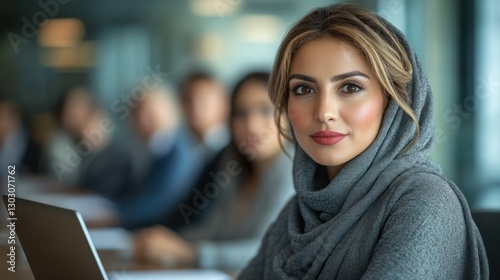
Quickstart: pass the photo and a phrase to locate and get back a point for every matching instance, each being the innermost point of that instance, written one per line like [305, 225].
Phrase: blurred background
[113, 46]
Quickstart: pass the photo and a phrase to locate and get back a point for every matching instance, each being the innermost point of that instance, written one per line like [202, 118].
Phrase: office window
[485, 101]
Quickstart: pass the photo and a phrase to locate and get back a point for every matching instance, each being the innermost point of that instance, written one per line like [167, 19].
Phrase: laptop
[58, 245]
[56, 242]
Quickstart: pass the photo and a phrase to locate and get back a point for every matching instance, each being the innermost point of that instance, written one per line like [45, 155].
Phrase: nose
[326, 107]
[254, 124]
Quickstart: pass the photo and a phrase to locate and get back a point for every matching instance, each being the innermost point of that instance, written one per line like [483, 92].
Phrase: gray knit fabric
[384, 216]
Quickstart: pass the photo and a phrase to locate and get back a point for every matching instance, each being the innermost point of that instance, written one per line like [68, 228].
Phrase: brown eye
[350, 88]
[302, 90]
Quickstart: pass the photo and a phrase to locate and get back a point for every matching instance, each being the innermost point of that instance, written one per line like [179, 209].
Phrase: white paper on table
[111, 239]
[92, 207]
[189, 274]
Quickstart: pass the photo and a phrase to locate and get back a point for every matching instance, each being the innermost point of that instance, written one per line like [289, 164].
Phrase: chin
[329, 162]
[260, 157]
[326, 159]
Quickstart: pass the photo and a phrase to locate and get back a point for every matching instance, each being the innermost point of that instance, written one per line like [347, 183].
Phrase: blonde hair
[359, 27]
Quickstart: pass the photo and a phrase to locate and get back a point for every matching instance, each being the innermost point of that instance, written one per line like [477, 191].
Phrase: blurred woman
[238, 196]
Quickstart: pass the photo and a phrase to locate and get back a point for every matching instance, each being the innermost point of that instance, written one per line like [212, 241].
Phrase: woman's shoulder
[423, 192]
[226, 158]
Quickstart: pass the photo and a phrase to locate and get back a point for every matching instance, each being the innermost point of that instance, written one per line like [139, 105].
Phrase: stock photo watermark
[30, 28]
[221, 179]
[201, 200]
[11, 218]
[95, 137]
[458, 112]
[122, 275]
[393, 8]
[225, 7]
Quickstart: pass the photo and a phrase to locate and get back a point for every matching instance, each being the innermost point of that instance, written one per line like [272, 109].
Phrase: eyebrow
[335, 78]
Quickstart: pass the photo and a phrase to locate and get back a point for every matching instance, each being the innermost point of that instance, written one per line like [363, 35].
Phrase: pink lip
[327, 137]
[253, 141]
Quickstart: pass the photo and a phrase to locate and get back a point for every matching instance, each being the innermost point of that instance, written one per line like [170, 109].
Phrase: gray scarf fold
[322, 222]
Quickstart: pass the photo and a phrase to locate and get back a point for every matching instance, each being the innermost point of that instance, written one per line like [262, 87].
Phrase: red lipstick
[327, 137]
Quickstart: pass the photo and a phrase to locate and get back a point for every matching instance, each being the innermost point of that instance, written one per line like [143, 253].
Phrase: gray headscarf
[319, 229]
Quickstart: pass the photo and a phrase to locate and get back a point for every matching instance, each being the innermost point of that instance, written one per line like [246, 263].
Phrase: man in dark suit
[157, 121]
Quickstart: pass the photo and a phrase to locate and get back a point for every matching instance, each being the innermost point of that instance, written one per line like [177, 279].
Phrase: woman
[242, 192]
[370, 203]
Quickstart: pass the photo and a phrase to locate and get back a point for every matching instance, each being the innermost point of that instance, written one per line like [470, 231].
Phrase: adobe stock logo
[30, 28]
[223, 7]
[95, 137]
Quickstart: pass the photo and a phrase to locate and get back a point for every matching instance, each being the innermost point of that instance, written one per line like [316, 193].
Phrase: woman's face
[252, 125]
[335, 102]
[76, 111]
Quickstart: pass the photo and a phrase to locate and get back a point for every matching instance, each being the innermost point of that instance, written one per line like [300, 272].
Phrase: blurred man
[206, 108]
[156, 120]
[16, 148]
[74, 108]
[85, 152]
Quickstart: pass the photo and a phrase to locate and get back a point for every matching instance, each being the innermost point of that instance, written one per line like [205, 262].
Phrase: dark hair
[262, 77]
[10, 103]
[195, 77]
[66, 94]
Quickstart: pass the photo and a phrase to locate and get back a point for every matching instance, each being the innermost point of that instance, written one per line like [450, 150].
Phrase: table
[113, 246]
[96, 212]
[113, 261]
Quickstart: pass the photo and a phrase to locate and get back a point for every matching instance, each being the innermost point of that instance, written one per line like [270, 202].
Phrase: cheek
[271, 124]
[238, 131]
[297, 116]
[271, 134]
[366, 115]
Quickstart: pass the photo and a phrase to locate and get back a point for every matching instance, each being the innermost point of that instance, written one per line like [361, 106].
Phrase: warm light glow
[220, 8]
[71, 58]
[260, 28]
[61, 32]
